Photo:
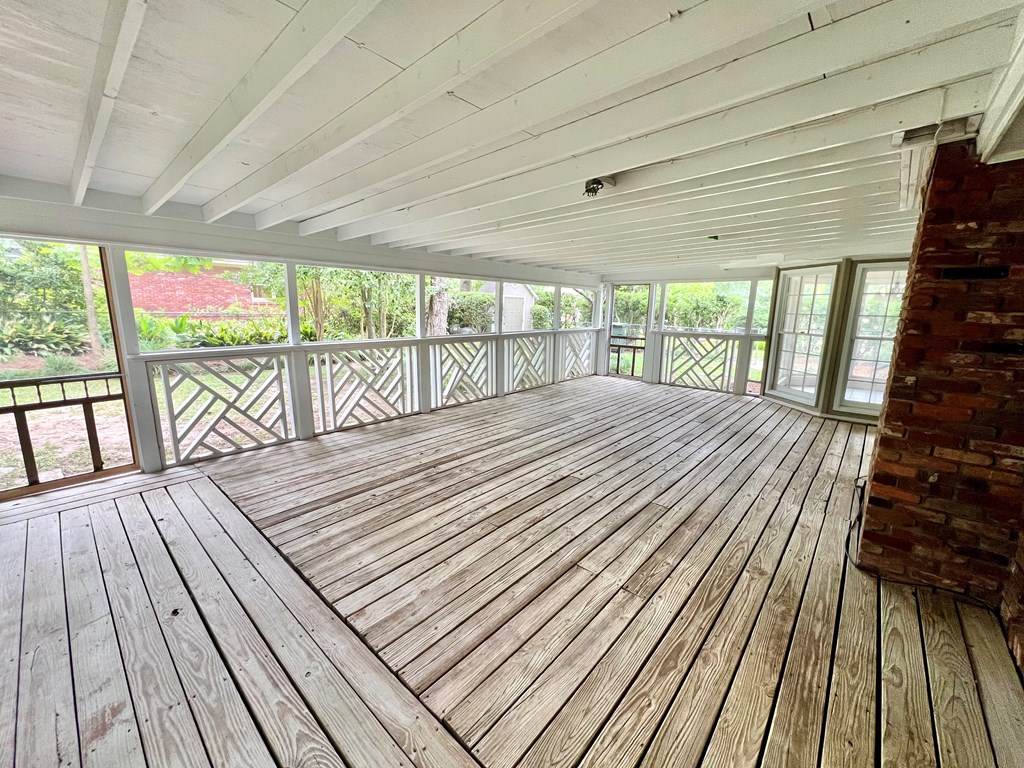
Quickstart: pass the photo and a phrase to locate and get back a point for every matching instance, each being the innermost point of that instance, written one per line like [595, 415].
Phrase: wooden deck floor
[601, 573]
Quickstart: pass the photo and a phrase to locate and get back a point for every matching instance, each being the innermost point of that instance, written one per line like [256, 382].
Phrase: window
[527, 307]
[456, 306]
[198, 301]
[877, 297]
[578, 308]
[337, 304]
[804, 299]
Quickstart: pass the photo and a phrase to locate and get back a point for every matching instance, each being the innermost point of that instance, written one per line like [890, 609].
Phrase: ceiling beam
[673, 40]
[1007, 98]
[685, 203]
[806, 224]
[830, 134]
[830, 186]
[506, 28]
[764, 241]
[311, 34]
[561, 209]
[871, 35]
[896, 241]
[964, 58]
[121, 27]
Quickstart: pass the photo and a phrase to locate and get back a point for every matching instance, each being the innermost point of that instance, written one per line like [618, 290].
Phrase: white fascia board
[45, 211]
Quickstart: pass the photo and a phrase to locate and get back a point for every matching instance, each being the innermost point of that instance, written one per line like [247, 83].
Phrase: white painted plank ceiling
[738, 134]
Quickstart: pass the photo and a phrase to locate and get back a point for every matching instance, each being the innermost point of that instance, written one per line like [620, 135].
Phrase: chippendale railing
[210, 402]
[725, 362]
[221, 402]
[362, 384]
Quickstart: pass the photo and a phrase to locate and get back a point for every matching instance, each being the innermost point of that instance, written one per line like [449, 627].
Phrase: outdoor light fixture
[593, 186]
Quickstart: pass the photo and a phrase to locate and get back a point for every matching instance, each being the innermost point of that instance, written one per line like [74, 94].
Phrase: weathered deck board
[600, 574]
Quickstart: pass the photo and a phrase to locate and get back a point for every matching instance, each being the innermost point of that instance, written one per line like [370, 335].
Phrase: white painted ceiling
[738, 133]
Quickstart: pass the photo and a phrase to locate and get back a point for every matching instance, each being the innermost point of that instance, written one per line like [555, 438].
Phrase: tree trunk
[369, 326]
[92, 321]
[437, 310]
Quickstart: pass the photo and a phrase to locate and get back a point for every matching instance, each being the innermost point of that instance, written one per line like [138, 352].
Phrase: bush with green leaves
[540, 317]
[471, 309]
[41, 335]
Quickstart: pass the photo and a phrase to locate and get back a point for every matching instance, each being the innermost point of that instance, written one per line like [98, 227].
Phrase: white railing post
[557, 361]
[421, 361]
[503, 353]
[744, 348]
[652, 357]
[299, 385]
[138, 388]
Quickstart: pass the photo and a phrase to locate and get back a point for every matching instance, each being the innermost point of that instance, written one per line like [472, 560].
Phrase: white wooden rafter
[1005, 103]
[121, 26]
[505, 28]
[310, 35]
[898, 25]
[673, 41]
[963, 62]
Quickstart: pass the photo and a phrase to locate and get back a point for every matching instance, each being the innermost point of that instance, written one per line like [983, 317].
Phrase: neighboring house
[517, 309]
[211, 294]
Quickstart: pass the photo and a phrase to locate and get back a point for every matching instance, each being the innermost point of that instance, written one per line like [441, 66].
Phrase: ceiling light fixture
[593, 186]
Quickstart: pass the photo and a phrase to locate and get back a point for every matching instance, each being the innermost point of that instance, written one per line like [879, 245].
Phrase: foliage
[344, 303]
[140, 263]
[46, 280]
[706, 306]
[471, 309]
[577, 309]
[59, 365]
[185, 332]
[540, 317]
[630, 304]
[41, 335]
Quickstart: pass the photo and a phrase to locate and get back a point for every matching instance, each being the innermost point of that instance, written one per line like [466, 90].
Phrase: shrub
[59, 365]
[471, 309]
[40, 336]
[540, 317]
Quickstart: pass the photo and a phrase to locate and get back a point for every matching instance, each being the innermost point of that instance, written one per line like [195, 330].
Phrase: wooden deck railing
[24, 396]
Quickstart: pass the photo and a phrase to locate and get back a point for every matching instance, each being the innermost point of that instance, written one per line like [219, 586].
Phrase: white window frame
[774, 342]
[839, 403]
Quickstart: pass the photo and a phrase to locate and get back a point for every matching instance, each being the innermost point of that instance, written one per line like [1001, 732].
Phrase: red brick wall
[204, 293]
[1013, 607]
[946, 494]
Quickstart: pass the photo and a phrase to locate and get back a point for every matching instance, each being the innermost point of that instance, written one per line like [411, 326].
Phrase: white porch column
[422, 353]
[298, 363]
[138, 386]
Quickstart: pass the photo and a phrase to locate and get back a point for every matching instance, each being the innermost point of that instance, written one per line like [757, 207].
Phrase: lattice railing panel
[700, 361]
[461, 371]
[577, 355]
[361, 386]
[529, 362]
[221, 405]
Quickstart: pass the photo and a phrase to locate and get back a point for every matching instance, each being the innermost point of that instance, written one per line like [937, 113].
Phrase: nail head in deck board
[289, 726]
[1002, 699]
[408, 721]
[680, 448]
[12, 582]
[959, 722]
[47, 733]
[907, 740]
[169, 732]
[107, 726]
[221, 714]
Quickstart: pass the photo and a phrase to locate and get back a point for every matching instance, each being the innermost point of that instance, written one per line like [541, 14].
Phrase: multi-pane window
[804, 300]
[878, 294]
